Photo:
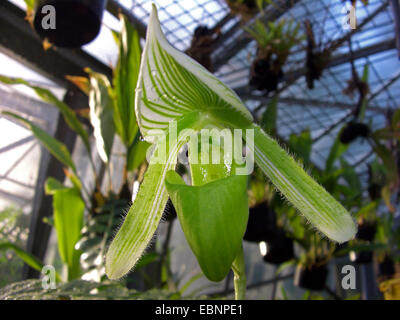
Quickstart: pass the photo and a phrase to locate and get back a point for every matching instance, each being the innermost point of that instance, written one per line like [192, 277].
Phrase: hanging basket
[363, 257]
[69, 23]
[261, 224]
[391, 289]
[279, 249]
[311, 278]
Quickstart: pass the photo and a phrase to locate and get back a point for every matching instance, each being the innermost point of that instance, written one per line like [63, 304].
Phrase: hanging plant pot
[386, 267]
[279, 249]
[366, 231]
[312, 277]
[69, 23]
[352, 131]
[245, 8]
[201, 46]
[363, 257]
[265, 72]
[261, 224]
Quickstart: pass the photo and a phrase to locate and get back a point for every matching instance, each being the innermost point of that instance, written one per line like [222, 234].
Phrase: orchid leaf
[47, 96]
[55, 147]
[269, 117]
[214, 218]
[125, 79]
[101, 104]
[69, 208]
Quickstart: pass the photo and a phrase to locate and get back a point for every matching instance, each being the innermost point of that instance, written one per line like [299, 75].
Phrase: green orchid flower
[177, 101]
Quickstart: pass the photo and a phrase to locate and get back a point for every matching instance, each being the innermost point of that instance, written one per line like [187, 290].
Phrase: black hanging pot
[362, 257]
[386, 268]
[352, 131]
[261, 224]
[366, 232]
[279, 249]
[69, 23]
[312, 277]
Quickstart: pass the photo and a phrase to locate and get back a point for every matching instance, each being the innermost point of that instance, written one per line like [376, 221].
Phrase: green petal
[214, 218]
[143, 217]
[171, 85]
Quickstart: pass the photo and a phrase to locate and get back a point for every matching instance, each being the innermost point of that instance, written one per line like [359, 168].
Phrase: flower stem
[239, 279]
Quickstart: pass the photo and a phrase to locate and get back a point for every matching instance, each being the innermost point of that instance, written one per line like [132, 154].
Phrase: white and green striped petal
[311, 199]
[172, 84]
[143, 217]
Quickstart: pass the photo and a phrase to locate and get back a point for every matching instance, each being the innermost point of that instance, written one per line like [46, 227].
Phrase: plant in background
[14, 228]
[246, 9]
[176, 94]
[274, 42]
[385, 143]
[202, 45]
[111, 112]
[388, 233]
[318, 55]
[355, 128]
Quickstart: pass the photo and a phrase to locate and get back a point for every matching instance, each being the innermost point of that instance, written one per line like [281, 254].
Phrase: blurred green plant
[111, 112]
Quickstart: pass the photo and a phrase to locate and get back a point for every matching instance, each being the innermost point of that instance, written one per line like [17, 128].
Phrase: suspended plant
[318, 55]
[356, 128]
[202, 45]
[388, 233]
[75, 24]
[175, 94]
[246, 9]
[274, 42]
[385, 143]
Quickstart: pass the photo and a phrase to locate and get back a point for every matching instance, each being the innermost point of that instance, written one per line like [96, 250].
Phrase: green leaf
[386, 134]
[56, 148]
[301, 145]
[136, 153]
[213, 218]
[351, 177]
[125, 80]
[30, 4]
[52, 185]
[268, 120]
[101, 104]
[335, 153]
[47, 96]
[389, 162]
[68, 221]
[28, 258]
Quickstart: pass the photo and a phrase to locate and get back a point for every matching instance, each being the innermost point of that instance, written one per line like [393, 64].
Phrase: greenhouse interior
[200, 149]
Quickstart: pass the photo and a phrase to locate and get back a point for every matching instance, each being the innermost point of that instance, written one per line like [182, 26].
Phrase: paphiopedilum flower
[173, 88]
